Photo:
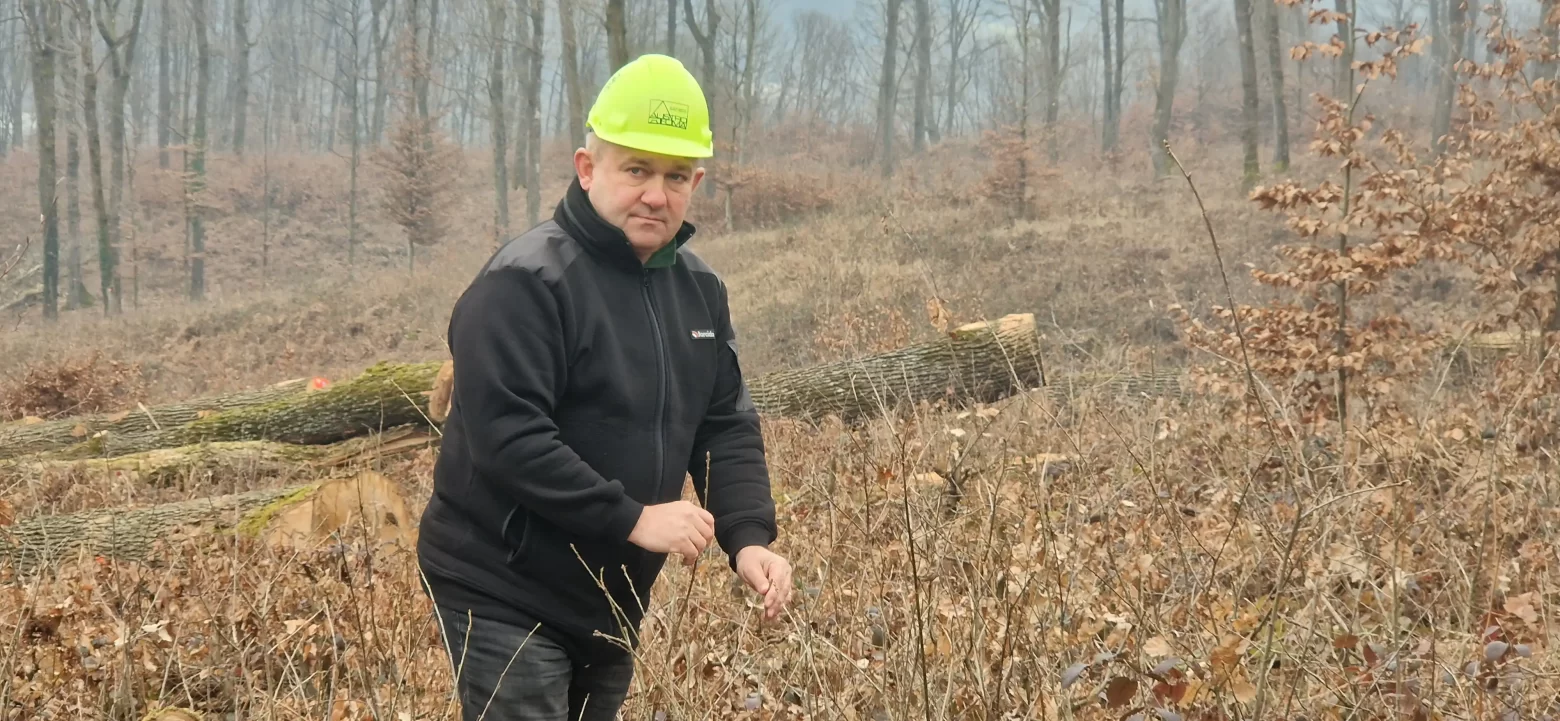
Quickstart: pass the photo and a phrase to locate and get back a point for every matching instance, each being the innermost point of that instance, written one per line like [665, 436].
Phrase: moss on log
[293, 516]
[979, 362]
[28, 437]
[383, 396]
[192, 466]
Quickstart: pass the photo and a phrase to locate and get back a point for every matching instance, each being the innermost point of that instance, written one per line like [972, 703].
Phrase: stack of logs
[334, 429]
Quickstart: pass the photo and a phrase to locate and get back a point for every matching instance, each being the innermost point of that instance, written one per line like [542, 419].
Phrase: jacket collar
[579, 219]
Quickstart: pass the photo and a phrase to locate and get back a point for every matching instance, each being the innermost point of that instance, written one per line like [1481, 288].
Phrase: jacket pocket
[517, 532]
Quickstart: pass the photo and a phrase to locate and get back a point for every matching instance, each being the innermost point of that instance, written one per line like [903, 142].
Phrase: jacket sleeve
[728, 466]
[511, 364]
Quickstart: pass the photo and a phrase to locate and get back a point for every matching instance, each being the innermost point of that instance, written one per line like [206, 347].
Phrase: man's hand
[768, 574]
[677, 527]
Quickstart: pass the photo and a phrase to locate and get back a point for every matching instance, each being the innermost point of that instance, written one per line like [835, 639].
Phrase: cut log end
[439, 397]
[367, 502]
[366, 505]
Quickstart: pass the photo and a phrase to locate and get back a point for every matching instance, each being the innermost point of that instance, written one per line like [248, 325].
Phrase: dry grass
[948, 567]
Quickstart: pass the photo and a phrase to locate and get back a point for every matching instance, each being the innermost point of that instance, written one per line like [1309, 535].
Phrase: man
[594, 366]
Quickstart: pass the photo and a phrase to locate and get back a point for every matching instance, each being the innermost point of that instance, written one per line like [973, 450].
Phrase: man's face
[644, 194]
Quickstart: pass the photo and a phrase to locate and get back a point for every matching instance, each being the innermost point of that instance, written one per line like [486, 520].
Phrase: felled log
[293, 517]
[978, 362]
[383, 396]
[31, 436]
[192, 466]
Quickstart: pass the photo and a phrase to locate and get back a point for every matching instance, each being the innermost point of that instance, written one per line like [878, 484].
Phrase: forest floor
[1030, 559]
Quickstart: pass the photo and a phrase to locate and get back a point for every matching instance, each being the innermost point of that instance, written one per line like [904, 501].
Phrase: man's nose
[654, 195]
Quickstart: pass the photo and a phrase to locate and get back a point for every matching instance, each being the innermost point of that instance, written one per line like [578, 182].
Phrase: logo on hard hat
[669, 113]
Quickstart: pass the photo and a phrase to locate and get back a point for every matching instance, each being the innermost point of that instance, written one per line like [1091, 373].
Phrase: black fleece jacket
[587, 384]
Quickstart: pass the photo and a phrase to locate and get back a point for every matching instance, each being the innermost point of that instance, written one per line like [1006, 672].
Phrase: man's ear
[584, 166]
[698, 176]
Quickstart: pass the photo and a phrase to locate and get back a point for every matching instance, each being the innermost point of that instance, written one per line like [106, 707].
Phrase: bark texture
[384, 396]
[977, 362]
[23, 438]
[192, 466]
[295, 515]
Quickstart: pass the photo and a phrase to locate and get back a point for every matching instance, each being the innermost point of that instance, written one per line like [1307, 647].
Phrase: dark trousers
[510, 673]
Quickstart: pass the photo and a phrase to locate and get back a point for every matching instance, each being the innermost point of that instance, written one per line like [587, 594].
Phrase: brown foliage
[1323, 346]
[73, 387]
[764, 196]
[421, 164]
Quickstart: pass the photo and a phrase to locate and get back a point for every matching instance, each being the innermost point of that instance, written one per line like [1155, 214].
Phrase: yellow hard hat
[654, 104]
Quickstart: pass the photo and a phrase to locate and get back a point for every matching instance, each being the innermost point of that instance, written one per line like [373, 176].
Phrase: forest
[1130, 359]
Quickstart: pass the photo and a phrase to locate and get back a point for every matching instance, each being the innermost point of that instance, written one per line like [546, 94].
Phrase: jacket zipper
[660, 397]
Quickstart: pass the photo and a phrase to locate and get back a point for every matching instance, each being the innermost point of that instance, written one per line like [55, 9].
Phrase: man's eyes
[639, 172]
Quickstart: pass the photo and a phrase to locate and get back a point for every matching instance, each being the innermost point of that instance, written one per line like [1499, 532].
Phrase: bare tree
[923, 75]
[529, 136]
[121, 61]
[498, 29]
[240, 71]
[1276, 74]
[671, 27]
[1343, 75]
[1052, 12]
[705, 35]
[44, 34]
[617, 35]
[107, 256]
[962, 15]
[888, 87]
[1455, 14]
[1250, 169]
[571, 73]
[164, 81]
[380, 24]
[70, 118]
[197, 174]
[1171, 16]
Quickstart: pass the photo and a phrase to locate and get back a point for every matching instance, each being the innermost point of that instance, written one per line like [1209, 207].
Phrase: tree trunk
[381, 32]
[533, 102]
[167, 474]
[978, 362]
[294, 516]
[1172, 31]
[1551, 30]
[45, 34]
[671, 27]
[121, 62]
[1280, 107]
[1053, 75]
[923, 74]
[571, 74]
[1251, 170]
[617, 36]
[107, 257]
[383, 396]
[706, 37]
[240, 72]
[1446, 91]
[1344, 72]
[1110, 126]
[23, 437]
[498, 27]
[164, 82]
[75, 285]
[888, 86]
[197, 181]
